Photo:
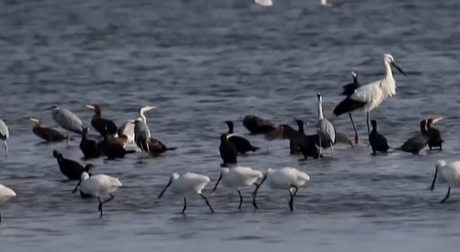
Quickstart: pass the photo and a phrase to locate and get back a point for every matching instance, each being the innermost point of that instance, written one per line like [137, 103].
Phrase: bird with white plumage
[5, 194]
[283, 179]
[238, 177]
[366, 98]
[4, 135]
[99, 185]
[188, 183]
[449, 174]
[324, 128]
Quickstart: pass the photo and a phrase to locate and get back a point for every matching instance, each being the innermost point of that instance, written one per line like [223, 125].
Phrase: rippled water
[202, 62]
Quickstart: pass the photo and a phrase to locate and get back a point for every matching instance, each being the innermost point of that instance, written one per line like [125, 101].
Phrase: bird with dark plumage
[227, 150]
[416, 143]
[378, 141]
[72, 169]
[100, 124]
[112, 147]
[242, 145]
[434, 133]
[156, 147]
[308, 144]
[257, 125]
[293, 146]
[88, 146]
[47, 134]
[348, 90]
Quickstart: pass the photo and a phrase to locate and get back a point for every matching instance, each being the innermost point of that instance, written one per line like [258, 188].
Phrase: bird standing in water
[47, 134]
[241, 144]
[324, 128]
[100, 124]
[227, 150]
[378, 141]
[434, 134]
[416, 143]
[293, 146]
[348, 90]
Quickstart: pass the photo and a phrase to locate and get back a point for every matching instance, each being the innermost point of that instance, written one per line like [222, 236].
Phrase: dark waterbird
[416, 143]
[241, 144]
[257, 125]
[113, 147]
[47, 134]
[378, 141]
[434, 134]
[227, 150]
[293, 146]
[100, 124]
[156, 147]
[88, 146]
[348, 90]
[366, 98]
[307, 144]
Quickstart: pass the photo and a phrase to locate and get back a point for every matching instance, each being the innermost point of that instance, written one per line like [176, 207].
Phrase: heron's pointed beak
[398, 68]
[436, 120]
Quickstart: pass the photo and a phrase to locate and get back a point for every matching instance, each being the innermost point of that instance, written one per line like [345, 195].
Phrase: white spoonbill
[450, 173]
[187, 183]
[324, 128]
[4, 135]
[238, 177]
[368, 97]
[98, 186]
[284, 179]
[5, 194]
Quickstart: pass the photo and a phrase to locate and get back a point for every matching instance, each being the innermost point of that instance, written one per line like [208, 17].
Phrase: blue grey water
[202, 62]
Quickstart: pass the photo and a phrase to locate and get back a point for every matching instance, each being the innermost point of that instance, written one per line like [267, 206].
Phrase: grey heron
[368, 97]
[142, 135]
[324, 128]
[102, 125]
[4, 135]
[127, 129]
[47, 134]
[67, 120]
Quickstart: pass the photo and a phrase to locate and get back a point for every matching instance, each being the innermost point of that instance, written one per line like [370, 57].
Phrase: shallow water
[202, 62]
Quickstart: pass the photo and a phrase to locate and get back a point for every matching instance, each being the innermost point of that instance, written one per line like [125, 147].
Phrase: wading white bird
[127, 128]
[99, 185]
[4, 135]
[238, 177]
[186, 184]
[284, 179]
[67, 120]
[368, 97]
[450, 174]
[324, 128]
[5, 194]
[265, 3]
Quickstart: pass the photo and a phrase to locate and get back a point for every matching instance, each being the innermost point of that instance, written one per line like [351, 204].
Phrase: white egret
[5, 194]
[324, 128]
[450, 174]
[186, 184]
[368, 97]
[284, 179]
[99, 185]
[238, 177]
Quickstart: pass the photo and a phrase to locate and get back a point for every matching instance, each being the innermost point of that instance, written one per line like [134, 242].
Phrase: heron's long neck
[320, 110]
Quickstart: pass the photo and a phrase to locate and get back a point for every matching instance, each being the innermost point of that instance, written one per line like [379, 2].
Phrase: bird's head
[388, 58]
[320, 97]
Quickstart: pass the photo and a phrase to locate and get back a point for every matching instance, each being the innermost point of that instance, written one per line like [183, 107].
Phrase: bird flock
[115, 141]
